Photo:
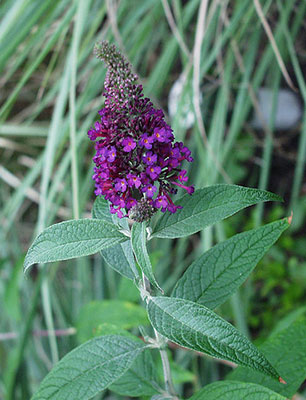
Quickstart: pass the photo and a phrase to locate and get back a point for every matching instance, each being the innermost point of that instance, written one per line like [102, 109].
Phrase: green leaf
[227, 390]
[213, 277]
[123, 314]
[207, 206]
[298, 314]
[71, 239]
[140, 379]
[89, 369]
[100, 210]
[120, 258]
[198, 328]
[128, 291]
[106, 328]
[287, 352]
[139, 238]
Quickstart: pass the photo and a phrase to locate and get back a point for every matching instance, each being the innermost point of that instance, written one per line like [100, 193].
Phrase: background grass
[50, 92]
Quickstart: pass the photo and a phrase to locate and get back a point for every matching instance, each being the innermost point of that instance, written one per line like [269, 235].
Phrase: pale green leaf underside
[213, 277]
[138, 239]
[198, 328]
[231, 390]
[207, 206]
[100, 210]
[139, 380]
[287, 352]
[120, 258]
[71, 239]
[89, 369]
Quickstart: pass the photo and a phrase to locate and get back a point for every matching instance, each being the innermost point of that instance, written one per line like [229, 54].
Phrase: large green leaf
[198, 328]
[123, 314]
[287, 351]
[89, 369]
[228, 390]
[207, 206]
[71, 239]
[139, 238]
[212, 278]
[141, 378]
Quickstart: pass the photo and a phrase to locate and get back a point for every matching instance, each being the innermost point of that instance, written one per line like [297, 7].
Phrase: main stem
[166, 369]
[162, 351]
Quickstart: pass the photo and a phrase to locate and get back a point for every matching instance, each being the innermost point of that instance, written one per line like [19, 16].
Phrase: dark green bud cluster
[142, 211]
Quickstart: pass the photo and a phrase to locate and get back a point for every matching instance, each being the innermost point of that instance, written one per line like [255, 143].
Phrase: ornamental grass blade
[71, 239]
[138, 239]
[229, 390]
[198, 328]
[212, 278]
[207, 206]
[90, 368]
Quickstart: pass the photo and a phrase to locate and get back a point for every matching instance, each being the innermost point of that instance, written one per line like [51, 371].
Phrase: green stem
[166, 370]
[169, 387]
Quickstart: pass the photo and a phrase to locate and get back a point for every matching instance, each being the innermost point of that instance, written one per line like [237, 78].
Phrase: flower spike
[137, 161]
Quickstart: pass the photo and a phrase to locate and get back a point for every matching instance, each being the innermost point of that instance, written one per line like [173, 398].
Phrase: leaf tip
[290, 218]
[281, 380]
[26, 268]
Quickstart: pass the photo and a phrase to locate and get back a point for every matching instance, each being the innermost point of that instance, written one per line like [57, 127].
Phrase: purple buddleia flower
[120, 184]
[149, 190]
[146, 141]
[153, 171]
[182, 176]
[149, 158]
[111, 154]
[161, 201]
[133, 180]
[138, 164]
[163, 134]
[128, 144]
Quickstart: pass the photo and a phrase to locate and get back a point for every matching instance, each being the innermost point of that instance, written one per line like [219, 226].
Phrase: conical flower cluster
[138, 163]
